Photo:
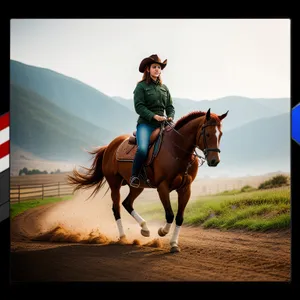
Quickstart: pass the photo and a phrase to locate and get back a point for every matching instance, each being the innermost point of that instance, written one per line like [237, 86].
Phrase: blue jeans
[143, 134]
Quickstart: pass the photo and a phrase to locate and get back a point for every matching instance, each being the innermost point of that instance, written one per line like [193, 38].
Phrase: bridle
[205, 150]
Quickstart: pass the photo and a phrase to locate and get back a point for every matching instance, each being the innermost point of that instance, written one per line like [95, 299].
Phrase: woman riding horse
[174, 168]
[151, 99]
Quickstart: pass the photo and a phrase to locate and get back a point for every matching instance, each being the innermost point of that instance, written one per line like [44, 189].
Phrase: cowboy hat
[153, 59]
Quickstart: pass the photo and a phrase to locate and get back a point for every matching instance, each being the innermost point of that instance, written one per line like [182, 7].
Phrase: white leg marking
[120, 227]
[174, 239]
[166, 228]
[137, 217]
[140, 220]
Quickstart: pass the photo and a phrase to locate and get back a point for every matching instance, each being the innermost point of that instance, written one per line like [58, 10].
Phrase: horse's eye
[207, 134]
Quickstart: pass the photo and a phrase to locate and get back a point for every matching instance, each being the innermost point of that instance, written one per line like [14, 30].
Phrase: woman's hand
[159, 118]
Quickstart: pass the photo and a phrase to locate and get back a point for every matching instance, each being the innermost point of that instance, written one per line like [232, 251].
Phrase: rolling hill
[117, 114]
[45, 130]
[74, 96]
[261, 141]
[257, 147]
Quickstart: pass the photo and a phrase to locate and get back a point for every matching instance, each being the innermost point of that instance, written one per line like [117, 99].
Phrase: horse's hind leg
[128, 205]
[115, 186]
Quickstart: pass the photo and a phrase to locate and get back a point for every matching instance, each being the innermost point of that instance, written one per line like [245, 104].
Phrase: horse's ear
[208, 115]
[223, 116]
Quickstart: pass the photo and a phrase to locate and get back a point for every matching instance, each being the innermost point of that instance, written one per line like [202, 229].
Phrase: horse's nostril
[213, 162]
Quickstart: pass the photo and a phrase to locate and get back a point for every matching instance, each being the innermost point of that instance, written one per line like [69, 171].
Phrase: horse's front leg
[164, 194]
[184, 194]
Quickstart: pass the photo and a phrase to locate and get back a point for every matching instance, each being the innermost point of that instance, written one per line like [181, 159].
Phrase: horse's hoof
[175, 249]
[145, 232]
[161, 232]
[122, 239]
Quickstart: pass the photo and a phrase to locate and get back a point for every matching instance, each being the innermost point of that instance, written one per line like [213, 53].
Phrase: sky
[207, 58]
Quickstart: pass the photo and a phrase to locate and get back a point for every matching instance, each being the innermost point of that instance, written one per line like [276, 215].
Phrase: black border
[5, 224]
[294, 159]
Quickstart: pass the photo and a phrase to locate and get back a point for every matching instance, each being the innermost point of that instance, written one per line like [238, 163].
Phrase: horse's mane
[190, 116]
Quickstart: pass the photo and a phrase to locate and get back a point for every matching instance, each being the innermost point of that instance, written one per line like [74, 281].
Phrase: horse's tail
[94, 175]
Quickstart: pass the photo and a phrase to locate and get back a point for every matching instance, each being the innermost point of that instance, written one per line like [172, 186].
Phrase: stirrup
[134, 184]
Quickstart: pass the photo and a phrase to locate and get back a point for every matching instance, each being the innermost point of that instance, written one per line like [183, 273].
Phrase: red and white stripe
[4, 142]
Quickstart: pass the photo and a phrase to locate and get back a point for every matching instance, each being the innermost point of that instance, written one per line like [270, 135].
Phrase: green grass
[17, 208]
[257, 210]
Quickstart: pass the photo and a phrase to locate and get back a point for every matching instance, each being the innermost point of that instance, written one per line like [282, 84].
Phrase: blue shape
[296, 123]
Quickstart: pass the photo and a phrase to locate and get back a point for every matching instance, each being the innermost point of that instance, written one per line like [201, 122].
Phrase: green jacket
[152, 99]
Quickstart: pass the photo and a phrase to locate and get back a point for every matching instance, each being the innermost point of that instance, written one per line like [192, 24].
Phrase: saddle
[127, 150]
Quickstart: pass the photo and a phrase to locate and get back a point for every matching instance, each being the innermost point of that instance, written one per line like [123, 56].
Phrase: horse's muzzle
[213, 162]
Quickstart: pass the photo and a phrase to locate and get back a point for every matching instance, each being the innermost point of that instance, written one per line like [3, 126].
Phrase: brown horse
[172, 164]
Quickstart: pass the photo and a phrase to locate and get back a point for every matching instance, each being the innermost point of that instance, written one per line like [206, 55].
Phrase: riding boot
[136, 170]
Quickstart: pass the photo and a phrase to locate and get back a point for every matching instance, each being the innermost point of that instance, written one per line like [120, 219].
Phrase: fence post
[19, 193]
[42, 191]
[58, 190]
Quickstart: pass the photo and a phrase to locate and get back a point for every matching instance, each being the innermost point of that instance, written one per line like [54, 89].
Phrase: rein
[202, 159]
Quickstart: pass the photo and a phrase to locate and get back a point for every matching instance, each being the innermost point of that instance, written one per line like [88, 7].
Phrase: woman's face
[155, 70]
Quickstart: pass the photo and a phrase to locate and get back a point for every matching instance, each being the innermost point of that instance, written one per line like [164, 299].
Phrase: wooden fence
[20, 193]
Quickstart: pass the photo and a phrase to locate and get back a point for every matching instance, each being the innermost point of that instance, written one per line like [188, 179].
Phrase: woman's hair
[146, 77]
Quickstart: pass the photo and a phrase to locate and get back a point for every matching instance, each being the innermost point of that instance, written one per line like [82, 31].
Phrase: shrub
[247, 188]
[276, 181]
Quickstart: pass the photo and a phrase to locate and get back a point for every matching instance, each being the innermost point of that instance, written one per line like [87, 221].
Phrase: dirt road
[73, 243]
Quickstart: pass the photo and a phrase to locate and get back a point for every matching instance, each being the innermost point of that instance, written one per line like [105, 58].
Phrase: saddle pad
[126, 152]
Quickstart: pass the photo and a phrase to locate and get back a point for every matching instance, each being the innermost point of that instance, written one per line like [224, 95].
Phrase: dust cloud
[91, 220]
[83, 220]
